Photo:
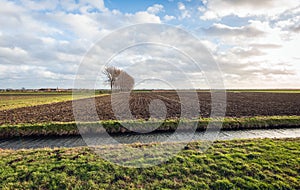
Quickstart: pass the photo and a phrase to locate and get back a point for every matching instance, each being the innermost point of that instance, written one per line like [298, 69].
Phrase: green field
[238, 164]
[11, 100]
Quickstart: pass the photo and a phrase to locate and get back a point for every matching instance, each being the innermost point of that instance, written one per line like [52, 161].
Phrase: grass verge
[238, 164]
[112, 126]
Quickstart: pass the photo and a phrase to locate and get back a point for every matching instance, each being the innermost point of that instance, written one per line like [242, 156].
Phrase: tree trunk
[111, 86]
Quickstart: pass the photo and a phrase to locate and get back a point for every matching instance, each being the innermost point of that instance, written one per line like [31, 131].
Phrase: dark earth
[238, 105]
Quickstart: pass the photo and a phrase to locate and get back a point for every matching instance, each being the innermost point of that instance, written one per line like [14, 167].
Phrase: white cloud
[245, 8]
[12, 52]
[263, 51]
[47, 40]
[96, 3]
[201, 9]
[184, 12]
[181, 6]
[142, 17]
[155, 9]
[169, 17]
[69, 5]
[31, 72]
[40, 5]
[224, 30]
[50, 44]
[290, 24]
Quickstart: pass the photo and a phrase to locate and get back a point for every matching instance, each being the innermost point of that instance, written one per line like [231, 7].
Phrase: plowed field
[238, 105]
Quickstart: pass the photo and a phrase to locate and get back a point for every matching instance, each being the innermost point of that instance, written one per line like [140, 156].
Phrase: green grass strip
[111, 126]
[237, 164]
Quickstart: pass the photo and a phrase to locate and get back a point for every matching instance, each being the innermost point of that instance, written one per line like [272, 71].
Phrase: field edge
[115, 127]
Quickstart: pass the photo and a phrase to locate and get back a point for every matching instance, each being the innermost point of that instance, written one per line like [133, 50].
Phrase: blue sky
[255, 42]
[136, 5]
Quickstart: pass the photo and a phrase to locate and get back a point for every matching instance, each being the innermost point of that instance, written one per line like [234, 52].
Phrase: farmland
[246, 104]
[12, 100]
[233, 164]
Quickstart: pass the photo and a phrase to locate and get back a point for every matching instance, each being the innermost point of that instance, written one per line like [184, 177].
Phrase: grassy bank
[242, 164]
[169, 125]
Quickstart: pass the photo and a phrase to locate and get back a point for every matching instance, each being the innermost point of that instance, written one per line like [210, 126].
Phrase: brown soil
[238, 105]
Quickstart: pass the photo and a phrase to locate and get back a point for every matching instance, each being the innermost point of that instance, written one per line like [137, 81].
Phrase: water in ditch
[76, 141]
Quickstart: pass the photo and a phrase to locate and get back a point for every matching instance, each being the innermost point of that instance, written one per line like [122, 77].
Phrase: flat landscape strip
[246, 104]
[112, 126]
[237, 164]
[265, 90]
[19, 100]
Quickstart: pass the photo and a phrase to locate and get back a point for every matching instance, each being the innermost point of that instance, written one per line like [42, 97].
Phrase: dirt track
[238, 104]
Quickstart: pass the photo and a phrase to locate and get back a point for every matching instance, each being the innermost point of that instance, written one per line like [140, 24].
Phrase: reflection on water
[75, 141]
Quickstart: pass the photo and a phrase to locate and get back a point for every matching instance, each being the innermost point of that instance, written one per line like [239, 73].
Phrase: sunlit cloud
[256, 43]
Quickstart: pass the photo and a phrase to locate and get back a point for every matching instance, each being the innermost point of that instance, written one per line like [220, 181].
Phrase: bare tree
[124, 82]
[118, 79]
[111, 74]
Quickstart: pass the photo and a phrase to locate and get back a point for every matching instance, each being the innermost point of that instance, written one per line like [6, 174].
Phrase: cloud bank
[255, 42]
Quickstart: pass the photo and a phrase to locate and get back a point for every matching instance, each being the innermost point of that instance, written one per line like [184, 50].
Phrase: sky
[255, 43]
